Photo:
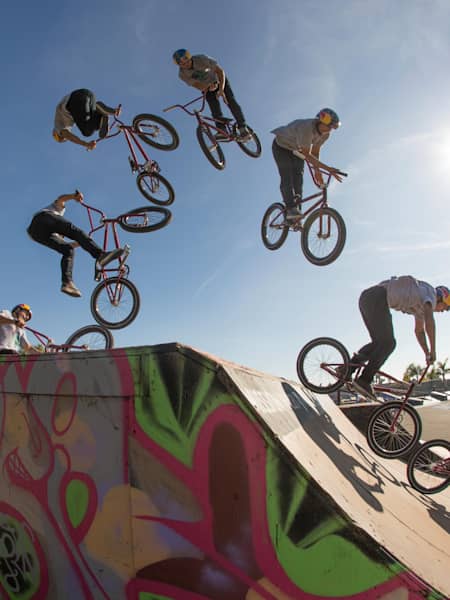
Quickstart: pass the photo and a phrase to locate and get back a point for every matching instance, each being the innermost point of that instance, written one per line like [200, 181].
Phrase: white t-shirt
[409, 295]
[301, 132]
[12, 337]
[63, 118]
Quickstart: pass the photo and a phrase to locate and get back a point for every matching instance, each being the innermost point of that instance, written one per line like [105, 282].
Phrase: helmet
[443, 294]
[327, 116]
[24, 307]
[179, 54]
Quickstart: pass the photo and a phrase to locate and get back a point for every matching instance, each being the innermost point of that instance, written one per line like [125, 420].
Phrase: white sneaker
[293, 214]
[107, 257]
[71, 289]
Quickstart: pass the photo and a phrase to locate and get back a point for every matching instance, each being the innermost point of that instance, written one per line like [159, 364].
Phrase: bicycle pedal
[132, 164]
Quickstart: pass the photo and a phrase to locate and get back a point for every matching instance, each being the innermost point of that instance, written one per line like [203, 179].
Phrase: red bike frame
[149, 165]
[47, 342]
[202, 120]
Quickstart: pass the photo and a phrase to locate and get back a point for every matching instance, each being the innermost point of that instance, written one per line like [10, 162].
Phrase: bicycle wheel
[317, 365]
[429, 467]
[155, 188]
[145, 219]
[115, 303]
[389, 440]
[156, 132]
[93, 337]
[252, 145]
[273, 229]
[211, 148]
[323, 236]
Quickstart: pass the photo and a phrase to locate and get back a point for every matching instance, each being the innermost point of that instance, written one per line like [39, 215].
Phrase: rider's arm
[220, 78]
[65, 134]
[426, 325]
[61, 200]
[312, 156]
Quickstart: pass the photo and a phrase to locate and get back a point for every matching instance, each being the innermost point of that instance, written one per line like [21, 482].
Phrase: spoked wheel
[115, 303]
[322, 365]
[429, 467]
[145, 219]
[393, 431]
[156, 131]
[323, 236]
[250, 144]
[274, 231]
[155, 188]
[211, 148]
[91, 337]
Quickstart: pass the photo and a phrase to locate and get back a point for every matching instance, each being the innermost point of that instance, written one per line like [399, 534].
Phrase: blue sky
[206, 280]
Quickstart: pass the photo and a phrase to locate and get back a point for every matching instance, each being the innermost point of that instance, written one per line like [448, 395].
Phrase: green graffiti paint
[307, 532]
[77, 498]
[148, 596]
[19, 565]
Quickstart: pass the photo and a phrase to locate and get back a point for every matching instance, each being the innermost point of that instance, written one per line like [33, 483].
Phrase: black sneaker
[107, 257]
[70, 289]
[344, 373]
[104, 109]
[364, 388]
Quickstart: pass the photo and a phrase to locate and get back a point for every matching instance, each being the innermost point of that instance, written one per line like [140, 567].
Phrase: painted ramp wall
[162, 473]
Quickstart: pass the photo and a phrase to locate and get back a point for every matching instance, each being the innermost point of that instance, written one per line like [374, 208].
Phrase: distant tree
[442, 369]
[412, 373]
[433, 373]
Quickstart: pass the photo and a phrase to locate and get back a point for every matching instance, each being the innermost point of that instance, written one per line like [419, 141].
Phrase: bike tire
[321, 255]
[101, 303]
[252, 147]
[422, 470]
[163, 135]
[313, 355]
[392, 444]
[273, 220]
[145, 219]
[150, 184]
[211, 147]
[95, 336]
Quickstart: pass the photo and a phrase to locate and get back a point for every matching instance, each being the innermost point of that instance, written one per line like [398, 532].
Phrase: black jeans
[43, 228]
[82, 107]
[378, 320]
[216, 109]
[291, 169]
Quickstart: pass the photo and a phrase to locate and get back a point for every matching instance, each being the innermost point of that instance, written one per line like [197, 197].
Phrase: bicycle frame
[203, 120]
[117, 127]
[122, 269]
[48, 344]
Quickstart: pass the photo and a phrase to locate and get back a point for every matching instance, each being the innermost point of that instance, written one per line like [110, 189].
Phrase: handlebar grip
[343, 174]
[169, 108]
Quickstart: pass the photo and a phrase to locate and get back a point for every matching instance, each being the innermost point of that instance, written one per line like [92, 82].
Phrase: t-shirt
[301, 132]
[63, 118]
[202, 71]
[53, 209]
[12, 337]
[409, 295]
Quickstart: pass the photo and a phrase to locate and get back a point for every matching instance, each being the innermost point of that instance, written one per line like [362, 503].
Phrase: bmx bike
[207, 130]
[158, 133]
[115, 302]
[322, 229]
[428, 467]
[394, 428]
[90, 337]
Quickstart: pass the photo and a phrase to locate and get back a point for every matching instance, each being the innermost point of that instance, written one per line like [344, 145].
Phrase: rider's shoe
[344, 373]
[364, 388]
[107, 257]
[104, 109]
[221, 137]
[71, 289]
[104, 125]
[244, 134]
[293, 214]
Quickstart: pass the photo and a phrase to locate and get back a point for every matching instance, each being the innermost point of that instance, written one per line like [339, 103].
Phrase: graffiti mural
[144, 475]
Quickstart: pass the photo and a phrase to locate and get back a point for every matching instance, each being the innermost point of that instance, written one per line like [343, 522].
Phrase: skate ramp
[161, 472]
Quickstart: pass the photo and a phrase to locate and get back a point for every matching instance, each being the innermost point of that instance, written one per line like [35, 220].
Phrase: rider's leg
[215, 108]
[378, 320]
[82, 107]
[40, 233]
[234, 107]
[290, 168]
